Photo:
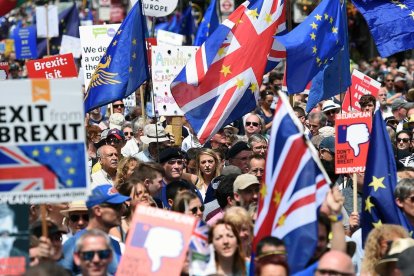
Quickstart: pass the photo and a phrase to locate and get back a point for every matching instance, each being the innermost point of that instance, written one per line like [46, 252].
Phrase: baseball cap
[236, 149]
[243, 181]
[405, 261]
[117, 133]
[328, 143]
[399, 103]
[170, 153]
[116, 120]
[397, 247]
[105, 194]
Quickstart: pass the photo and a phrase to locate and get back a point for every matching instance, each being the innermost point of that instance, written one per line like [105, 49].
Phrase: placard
[352, 141]
[157, 242]
[25, 42]
[157, 8]
[4, 70]
[70, 44]
[169, 38]
[167, 62]
[47, 23]
[55, 67]
[42, 141]
[361, 85]
[94, 40]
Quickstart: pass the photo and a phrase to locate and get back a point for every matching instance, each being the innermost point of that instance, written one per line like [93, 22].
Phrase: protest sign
[4, 70]
[167, 62]
[42, 147]
[59, 66]
[169, 38]
[70, 44]
[47, 21]
[94, 40]
[25, 42]
[14, 249]
[361, 85]
[157, 242]
[157, 8]
[352, 141]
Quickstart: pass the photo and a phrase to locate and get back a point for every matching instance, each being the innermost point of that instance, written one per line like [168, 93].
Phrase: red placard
[361, 85]
[12, 266]
[4, 70]
[157, 242]
[55, 67]
[352, 141]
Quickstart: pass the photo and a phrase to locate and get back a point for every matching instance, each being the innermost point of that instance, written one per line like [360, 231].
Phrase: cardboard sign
[167, 62]
[361, 85]
[60, 66]
[169, 38]
[157, 8]
[14, 249]
[25, 42]
[70, 44]
[42, 141]
[352, 141]
[94, 40]
[47, 24]
[157, 242]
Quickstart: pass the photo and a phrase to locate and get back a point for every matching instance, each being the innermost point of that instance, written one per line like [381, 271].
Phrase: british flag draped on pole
[295, 186]
[221, 83]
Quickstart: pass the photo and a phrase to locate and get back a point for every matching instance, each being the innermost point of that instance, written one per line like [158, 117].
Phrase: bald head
[336, 261]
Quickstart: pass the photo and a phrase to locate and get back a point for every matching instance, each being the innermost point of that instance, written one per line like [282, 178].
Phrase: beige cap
[243, 181]
[74, 207]
[397, 247]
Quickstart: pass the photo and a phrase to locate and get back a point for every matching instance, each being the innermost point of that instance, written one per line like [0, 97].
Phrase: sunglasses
[405, 140]
[173, 161]
[389, 80]
[252, 123]
[331, 112]
[411, 198]
[129, 133]
[118, 106]
[194, 210]
[76, 218]
[113, 141]
[89, 255]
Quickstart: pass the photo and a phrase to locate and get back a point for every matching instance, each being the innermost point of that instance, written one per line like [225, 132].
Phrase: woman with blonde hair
[377, 244]
[207, 168]
[244, 224]
[125, 168]
[228, 251]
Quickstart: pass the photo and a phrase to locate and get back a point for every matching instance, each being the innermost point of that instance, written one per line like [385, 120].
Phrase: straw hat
[75, 206]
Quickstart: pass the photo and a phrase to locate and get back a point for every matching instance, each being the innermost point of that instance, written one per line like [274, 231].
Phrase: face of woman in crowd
[403, 141]
[245, 235]
[128, 133]
[207, 165]
[224, 241]
[195, 208]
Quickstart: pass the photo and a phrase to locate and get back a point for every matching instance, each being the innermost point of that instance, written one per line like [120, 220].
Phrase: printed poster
[55, 67]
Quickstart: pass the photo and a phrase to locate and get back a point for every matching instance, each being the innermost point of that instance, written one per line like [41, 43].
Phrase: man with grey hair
[404, 198]
[258, 144]
[93, 253]
[316, 121]
[108, 159]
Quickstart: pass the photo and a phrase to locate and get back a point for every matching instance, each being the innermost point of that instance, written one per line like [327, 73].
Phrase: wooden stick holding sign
[43, 214]
[355, 192]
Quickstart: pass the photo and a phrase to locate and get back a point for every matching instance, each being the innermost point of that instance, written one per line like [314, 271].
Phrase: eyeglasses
[411, 198]
[118, 105]
[173, 161]
[405, 140]
[322, 271]
[89, 255]
[252, 123]
[128, 133]
[76, 218]
[331, 112]
[194, 210]
[389, 80]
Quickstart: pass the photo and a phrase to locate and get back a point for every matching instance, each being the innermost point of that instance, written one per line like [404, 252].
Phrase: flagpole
[47, 31]
[289, 28]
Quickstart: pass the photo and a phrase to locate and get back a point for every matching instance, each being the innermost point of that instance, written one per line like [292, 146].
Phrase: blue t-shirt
[69, 248]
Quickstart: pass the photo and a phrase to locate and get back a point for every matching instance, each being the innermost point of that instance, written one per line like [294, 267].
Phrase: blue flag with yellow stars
[378, 203]
[209, 23]
[124, 66]
[312, 44]
[391, 24]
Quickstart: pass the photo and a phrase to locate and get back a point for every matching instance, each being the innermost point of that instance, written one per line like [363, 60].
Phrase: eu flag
[188, 25]
[209, 23]
[391, 24]
[334, 78]
[378, 204]
[312, 44]
[124, 66]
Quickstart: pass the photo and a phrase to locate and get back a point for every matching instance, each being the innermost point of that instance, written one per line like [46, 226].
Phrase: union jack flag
[42, 167]
[221, 82]
[199, 239]
[295, 185]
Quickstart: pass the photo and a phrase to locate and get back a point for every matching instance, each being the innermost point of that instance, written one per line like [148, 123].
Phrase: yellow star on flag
[220, 51]
[334, 30]
[326, 16]
[318, 59]
[402, 6]
[59, 152]
[119, 32]
[377, 183]
[46, 149]
[314, 25]
[412, 14]
[114, 43]
[281, 221]
[130, 69]
[313, 36]
[134, 55]
[263, 191]
[253, 13]
[69, 182]
[134, 41]
[225, 70]
[368, 204]
[253, 87]
[314, 49]
[318, 17]
[240, 83]
[277, 197]
[330, 20]
[35, 153]
[377, 224]
[71, 170]
[268, 18]
[68, 159]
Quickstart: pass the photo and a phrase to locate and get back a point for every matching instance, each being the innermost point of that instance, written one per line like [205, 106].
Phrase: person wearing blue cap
[105, 206]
